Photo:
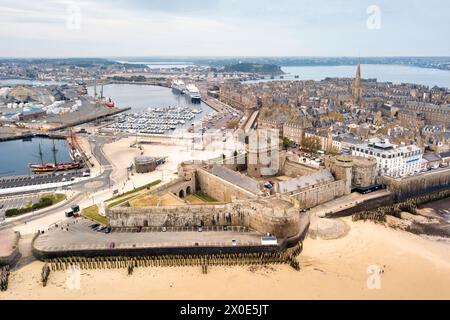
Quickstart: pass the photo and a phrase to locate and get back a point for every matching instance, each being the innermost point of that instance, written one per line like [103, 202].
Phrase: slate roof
[305, 181]
[237, 178]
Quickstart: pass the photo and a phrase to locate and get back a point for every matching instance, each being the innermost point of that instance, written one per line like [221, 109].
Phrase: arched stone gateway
[181, 194]
[188, 191]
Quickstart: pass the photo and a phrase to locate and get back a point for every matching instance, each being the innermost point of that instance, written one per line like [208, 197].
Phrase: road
[96, 188]
[105, 178]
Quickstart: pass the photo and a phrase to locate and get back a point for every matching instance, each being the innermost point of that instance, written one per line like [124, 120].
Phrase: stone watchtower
[356, 172]
[342, 169]
[263, 153]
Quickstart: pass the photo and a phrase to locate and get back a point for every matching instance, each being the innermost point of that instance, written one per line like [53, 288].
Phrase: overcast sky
[52, 28]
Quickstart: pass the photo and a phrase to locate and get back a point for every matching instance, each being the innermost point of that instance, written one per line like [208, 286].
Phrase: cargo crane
[102, 101]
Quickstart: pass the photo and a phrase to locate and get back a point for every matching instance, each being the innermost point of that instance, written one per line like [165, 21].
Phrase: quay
[158, 83]
[34, 135]
[91, 119]
[52, 131]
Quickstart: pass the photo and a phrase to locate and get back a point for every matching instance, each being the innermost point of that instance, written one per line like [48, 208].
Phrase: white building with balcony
[392, 160]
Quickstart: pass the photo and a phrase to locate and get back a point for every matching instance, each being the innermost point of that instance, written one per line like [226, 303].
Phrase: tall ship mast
[41, 155]
[54, 151]
[55, 166]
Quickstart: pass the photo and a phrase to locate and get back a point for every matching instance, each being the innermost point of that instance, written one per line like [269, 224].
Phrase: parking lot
[76, 234]
[16, 203]
[35, 180]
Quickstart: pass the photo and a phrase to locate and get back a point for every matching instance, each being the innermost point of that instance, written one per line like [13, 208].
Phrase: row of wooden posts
[395, 210]
[4, 276]
[235, 259]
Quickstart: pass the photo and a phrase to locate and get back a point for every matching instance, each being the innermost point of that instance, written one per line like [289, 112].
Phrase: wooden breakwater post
[45, 274]
[287, 256]
[4, 278]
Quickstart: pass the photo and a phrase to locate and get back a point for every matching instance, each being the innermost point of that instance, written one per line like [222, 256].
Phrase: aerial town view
[222, 150]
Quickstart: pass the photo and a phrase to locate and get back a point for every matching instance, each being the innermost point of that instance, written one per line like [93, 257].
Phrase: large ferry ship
[178, 87]
[193, 93]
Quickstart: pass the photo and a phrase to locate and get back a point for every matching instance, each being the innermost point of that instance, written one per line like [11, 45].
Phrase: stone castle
[263, 197]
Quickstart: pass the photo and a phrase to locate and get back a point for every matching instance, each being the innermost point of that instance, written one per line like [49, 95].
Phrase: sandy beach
[414, 268]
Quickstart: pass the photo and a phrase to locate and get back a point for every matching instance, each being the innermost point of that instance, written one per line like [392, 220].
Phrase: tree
[287, 143]
[311, 144]
[334, 151]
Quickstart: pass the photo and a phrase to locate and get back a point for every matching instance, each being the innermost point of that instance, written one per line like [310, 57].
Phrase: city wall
[319, 194]
[257, 215]
[366, 205]
[418, 185]
[292, 169]
[220, 189]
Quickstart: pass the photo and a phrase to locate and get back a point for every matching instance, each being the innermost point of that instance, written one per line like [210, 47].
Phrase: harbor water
[396, 74]
[142, 97]
[15, 155]
[159, 107]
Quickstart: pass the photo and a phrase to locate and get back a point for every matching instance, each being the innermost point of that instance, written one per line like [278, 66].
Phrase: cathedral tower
[357, 86]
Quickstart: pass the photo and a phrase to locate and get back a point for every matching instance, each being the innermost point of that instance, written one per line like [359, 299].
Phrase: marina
[156, 110]
[155, 120]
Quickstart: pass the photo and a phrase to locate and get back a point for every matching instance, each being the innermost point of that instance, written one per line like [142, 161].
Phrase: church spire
[357, 86]
[358, 75]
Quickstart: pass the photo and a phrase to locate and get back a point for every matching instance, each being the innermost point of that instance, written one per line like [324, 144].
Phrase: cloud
[219, 27]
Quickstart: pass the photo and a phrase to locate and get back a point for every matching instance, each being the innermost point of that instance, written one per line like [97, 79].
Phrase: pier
[90, 119]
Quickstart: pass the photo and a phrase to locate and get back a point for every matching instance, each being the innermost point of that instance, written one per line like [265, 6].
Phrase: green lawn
[205, 197]
[116, 203]
[45, 201]
[92, 213]
[147, 186]
[56, 197]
